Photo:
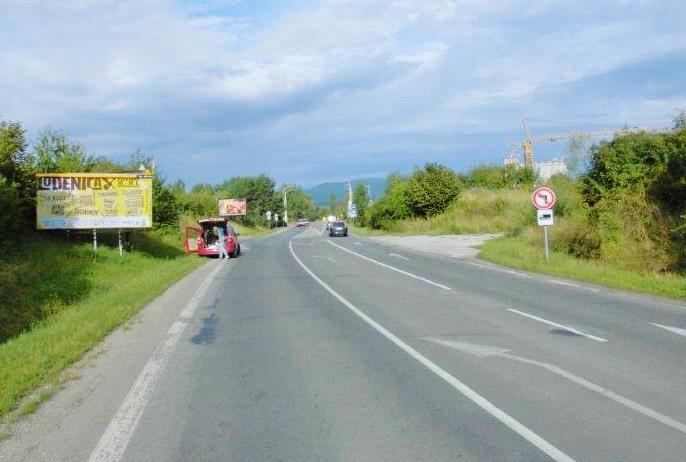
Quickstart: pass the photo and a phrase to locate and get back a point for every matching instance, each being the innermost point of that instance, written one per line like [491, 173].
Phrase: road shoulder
[95, 386]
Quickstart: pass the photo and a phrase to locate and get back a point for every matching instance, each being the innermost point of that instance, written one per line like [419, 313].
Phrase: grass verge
[363, 230]
[517, 252]
[79, 303]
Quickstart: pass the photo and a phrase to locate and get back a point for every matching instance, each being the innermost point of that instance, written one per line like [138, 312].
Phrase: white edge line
[115, 440]
[641, 409]
[674, 330]
[563, 283]
[537, 277]
[397, 255]
[392, 268]
[195, 300]
[561, 326]
[510, 422]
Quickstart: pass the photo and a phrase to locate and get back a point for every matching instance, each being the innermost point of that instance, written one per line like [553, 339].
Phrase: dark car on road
[338, 228]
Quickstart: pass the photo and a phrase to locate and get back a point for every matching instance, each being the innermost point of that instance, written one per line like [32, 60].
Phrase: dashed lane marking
[392, 268]
[560, 326]
[529, 435]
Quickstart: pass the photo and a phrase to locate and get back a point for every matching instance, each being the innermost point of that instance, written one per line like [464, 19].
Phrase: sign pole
[543, 199]
[545, 234]
[95, 240]
[121, 247]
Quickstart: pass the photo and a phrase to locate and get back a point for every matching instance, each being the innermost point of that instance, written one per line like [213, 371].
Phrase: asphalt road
[316, 349]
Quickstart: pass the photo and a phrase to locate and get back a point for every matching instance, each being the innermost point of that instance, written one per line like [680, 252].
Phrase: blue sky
[312, 91]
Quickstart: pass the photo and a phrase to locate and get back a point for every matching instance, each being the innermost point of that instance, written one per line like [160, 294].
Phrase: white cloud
[353, 73]
[426, 57]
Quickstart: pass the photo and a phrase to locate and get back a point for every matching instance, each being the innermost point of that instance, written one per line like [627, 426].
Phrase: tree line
[429, 191]
[628, 206]
[54, 152]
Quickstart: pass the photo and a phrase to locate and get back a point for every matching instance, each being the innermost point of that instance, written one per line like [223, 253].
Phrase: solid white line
[500, 270]
[397, 256]
[509, 421]
[195, 300]
[563, 283]
[115, 440]
[551, 323]
[675, 424]
[393, 268]
[484, 351]
[537, 277]
[675, 330]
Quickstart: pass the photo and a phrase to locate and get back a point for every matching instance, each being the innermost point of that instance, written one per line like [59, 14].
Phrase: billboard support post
[95, 240]
[121, 247]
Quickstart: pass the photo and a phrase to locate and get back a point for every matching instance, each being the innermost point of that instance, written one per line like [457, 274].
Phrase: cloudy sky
[308, 91]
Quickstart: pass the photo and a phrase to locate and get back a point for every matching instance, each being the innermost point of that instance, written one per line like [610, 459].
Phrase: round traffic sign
[543, 198]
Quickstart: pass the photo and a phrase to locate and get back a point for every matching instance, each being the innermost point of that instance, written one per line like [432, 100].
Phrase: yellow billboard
[94, 200]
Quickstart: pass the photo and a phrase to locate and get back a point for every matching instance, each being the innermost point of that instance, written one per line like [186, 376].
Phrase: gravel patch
[452, 245]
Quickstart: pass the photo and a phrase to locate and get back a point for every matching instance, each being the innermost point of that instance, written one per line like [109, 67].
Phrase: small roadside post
[269, 219]
[544, 199]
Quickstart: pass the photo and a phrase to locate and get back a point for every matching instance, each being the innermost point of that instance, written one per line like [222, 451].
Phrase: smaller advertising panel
[232, 207]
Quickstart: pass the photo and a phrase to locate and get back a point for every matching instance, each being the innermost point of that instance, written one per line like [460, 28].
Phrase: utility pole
[350, 196]
[370, 198]
[286, 190]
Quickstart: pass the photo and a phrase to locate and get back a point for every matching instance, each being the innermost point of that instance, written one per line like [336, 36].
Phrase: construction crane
[528, 143]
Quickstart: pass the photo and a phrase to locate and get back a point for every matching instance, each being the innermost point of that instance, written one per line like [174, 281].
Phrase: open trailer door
[190, 243]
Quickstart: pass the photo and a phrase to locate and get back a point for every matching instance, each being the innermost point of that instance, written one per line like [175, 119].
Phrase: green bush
[636, 194]
[393, 206]
[500, 177]
[432, 189]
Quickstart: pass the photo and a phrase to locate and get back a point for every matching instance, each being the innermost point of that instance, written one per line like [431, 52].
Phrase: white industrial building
[546, 169]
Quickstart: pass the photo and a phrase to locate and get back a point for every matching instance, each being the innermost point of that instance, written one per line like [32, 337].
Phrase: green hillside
[321, 193]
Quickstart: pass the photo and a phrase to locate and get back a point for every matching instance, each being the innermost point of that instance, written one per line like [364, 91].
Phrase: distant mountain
[320, 193]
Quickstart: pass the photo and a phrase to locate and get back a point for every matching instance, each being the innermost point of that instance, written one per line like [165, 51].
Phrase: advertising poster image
[232, 207]
[94, 200]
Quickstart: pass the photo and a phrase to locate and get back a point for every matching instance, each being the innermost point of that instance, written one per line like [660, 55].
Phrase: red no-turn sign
[543, 198]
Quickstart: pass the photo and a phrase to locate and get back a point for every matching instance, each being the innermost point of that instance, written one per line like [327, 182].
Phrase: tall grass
[75, 298]
[522, 252]
[475, 211]
[621, 242]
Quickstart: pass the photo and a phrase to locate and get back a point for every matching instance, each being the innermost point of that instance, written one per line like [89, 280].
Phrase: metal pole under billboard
[121, 246]
[95, 240]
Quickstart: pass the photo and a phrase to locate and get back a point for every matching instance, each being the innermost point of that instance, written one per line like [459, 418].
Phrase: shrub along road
[310, 348]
